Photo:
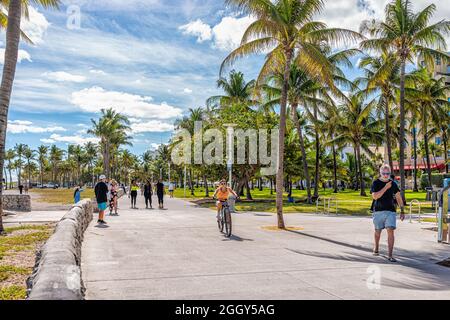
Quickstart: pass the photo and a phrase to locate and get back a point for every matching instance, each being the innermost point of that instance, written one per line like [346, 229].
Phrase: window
[438, 60]
[438, 141]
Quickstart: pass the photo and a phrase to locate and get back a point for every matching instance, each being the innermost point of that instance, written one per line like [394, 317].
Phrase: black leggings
[133, 198]
[160, 198]
[148, 199]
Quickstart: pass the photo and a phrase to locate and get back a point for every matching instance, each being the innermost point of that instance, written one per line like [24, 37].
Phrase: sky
[151, 60]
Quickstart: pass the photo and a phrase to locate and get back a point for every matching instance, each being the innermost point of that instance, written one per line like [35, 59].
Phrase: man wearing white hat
[101, 194]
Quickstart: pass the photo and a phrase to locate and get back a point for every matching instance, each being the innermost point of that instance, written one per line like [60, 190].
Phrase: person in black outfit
[160, 194]
[386, 195]
[101, 194]
[21, 189]
[148, 192]
[134, 193]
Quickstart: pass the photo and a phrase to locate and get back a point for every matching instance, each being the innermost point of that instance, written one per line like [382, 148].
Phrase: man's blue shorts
[102, 206]
[385, 220]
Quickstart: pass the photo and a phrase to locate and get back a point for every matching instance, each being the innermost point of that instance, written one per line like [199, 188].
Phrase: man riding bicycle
[221, 194]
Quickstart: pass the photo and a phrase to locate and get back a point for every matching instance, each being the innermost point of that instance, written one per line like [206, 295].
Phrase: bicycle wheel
[220, 221]
[227, 222]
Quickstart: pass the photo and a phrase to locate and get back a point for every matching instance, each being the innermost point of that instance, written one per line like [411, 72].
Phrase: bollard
[232, 203]
[443, 220]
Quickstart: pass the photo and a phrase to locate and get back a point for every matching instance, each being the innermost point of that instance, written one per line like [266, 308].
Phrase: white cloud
[23, 55]
[20, 126]
[62, 76]
[74, 139]
[199, 29]
[99, 72]
[151, 126]
[36, 26]
[187, 90]
[228, 33]
[96, 98]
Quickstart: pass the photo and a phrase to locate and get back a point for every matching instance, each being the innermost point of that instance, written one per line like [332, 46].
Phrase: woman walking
[114, 197]
[160, 194]
[133, 193]
[148, 192]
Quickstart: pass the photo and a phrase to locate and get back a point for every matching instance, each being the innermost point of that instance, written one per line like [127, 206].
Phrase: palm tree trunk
[361, 178]
[317, 176]
[444, 137]
[206, 186]
[402, 127]
[427, 150]
[335, 186]
[9, 72]
[388, 133]
[356, 170]
[303, 150]
[248, 193]
[6, 180]
[416, 188]
[280, 173]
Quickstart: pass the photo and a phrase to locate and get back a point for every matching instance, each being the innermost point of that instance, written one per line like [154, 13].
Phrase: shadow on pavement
[429, 275]
[236, 238]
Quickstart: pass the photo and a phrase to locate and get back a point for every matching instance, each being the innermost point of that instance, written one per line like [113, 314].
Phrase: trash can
[291, 199]
[232, 203]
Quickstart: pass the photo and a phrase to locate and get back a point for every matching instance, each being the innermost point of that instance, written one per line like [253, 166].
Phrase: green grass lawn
[17, 257]
[349, 202]
[60, 196]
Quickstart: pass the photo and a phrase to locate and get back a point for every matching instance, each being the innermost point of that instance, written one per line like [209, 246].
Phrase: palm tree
[382, 74]
[407, 35]
[358, 127]
[42, 159]
[9, 156]
[285, 27]
[13, 33]
[112, 130]
[91, 154]
[236, 91]
[20, 151]
[56, 156]
[29, 155]
[429, 95]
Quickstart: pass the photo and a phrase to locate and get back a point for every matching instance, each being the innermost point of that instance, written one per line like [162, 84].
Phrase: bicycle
[224, 221]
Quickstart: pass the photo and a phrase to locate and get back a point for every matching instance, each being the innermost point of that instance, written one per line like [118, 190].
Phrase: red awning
[422, 167]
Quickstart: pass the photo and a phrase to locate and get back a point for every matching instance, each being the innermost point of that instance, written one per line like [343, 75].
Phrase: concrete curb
[57, 272]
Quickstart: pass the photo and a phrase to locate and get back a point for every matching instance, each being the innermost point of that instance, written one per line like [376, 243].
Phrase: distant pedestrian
[77, 194]
[26, 188]
[171, 189]
[101, 194]
[114, 195]
[160, 194]
[134, 188]
[21, 188]
[148, 192]
[385, 192]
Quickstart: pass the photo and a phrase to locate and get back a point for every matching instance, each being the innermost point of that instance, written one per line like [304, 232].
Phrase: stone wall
[57, 272]
[16, 202]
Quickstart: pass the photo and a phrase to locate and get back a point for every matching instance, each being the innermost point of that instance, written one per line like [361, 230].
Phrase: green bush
[437, 179]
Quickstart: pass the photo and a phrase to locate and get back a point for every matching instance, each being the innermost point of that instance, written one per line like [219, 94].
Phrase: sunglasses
[386, 173]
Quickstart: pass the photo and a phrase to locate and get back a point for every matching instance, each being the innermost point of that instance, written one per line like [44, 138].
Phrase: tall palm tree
[91, 154]
[15, 9]
[358, 127]
[42, 159]
[9, 157]
[112, 129]
[429, 95]
[381, 74]
[407, 35]
[20, 151]
[283, 27]
[29, 156]
[236, 91]
[55, 157]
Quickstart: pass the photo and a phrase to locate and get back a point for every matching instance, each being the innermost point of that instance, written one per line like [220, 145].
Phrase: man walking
[101, 194]
[384, 193]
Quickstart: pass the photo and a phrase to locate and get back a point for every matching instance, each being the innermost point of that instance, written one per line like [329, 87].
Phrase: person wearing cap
[101, 194]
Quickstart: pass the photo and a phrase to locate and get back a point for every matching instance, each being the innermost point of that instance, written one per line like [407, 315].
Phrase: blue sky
[149, 59]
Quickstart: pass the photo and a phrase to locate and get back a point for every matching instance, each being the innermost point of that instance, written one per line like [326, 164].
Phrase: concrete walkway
[180, 254]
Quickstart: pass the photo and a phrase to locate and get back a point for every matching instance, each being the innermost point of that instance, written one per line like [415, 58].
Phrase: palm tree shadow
[428, 274]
